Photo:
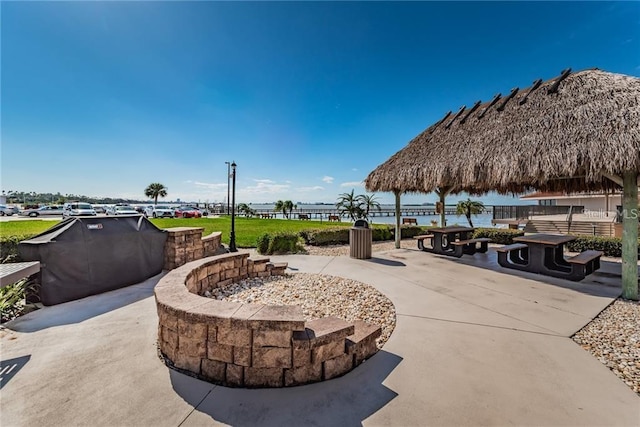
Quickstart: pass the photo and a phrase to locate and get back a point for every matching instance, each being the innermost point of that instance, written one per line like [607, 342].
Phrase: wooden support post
[630, 236]
[398, 230]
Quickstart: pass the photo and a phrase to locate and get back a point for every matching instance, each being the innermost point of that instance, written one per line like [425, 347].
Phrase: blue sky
[103, 98]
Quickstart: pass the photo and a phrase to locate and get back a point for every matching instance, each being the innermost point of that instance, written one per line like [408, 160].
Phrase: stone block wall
[186, 244]
[250, 345]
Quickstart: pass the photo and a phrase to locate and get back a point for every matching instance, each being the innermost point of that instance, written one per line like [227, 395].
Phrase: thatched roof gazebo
[577, 132]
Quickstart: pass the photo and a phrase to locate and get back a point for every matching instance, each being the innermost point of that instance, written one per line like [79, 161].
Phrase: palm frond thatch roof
[558, 135]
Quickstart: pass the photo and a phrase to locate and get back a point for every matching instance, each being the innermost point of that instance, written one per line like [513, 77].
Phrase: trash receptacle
[360, 238]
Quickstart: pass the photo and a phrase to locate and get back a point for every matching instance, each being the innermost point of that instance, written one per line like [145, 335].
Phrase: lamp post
[232, 237]
[228, 176]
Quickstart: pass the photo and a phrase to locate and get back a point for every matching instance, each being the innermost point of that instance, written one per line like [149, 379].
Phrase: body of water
[481, 220]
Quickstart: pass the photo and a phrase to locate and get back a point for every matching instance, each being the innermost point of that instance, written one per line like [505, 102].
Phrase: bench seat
[585, 257]
[469, 241]
[421, 238]
[469, 246]
[512, 247]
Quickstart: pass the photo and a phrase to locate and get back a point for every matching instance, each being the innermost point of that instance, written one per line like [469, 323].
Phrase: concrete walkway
[474, 344]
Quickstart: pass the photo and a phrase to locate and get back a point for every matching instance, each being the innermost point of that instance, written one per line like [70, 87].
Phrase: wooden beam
[630, 236]
[474, 108]
[504, 102]
[491, 104]
[398, 230]
[615, 178]
[535, 86]
[563, 75]
[456, 116]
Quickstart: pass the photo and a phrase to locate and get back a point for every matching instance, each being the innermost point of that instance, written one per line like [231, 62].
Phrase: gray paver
[472, 346]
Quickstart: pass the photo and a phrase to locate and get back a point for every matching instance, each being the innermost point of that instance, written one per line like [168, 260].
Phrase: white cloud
[327, 179]
[308, 189]
[210, 186]
[352, 184]
[265, 186]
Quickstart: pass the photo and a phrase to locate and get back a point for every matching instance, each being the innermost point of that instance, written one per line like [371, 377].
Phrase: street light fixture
[228, 177]
[232, 237]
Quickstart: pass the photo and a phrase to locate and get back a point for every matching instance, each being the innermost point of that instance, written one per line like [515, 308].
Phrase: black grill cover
[89, 255]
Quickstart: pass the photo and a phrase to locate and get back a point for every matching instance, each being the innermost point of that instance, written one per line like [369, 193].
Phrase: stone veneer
[250, 345]
[186, 244]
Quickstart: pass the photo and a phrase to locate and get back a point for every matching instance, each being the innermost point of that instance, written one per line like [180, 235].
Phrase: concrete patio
[474, 344]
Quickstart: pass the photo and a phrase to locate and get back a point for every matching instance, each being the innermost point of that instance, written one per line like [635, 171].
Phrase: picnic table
[544, 254]
[453, 241]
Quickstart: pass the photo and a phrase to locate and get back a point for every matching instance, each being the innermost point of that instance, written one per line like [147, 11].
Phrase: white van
[78, 209]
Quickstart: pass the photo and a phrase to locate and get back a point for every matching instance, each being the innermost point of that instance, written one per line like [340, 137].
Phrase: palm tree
[243, 208]
[280, 207]
[368, 202]
[155, 190]
[289, 206]
[469, 207]
[350, 204]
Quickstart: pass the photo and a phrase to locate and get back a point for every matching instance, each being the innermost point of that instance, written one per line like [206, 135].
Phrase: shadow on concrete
[84, 308]
[344, 401]
[607, 281]
[10, 367]
[387, 262]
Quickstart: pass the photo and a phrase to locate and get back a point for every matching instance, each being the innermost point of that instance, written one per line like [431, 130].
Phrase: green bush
[503, 236]
[262, 243]
[408, 231]
[326, 236]
[278, 243]
[611, 246]
[382, 233]
[9, 247]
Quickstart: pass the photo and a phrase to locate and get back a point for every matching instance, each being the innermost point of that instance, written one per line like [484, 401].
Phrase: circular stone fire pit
[251, 345]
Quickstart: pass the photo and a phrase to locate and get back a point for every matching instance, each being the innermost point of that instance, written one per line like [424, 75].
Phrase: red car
[188, 212]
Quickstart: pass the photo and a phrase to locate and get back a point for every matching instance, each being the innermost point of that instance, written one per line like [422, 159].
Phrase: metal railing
[527, 211]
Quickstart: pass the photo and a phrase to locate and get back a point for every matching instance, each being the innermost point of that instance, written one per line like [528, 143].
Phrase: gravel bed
[614, 339]
[343, 250]
[319, 296]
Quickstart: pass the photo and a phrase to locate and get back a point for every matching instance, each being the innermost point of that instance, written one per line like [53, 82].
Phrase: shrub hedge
[611, 246]
[278, 243]
[503, 236]
[9, 247]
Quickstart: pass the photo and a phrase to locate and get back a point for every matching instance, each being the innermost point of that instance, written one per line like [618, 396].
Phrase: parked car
[159, 211]
[42, 211]
[188, 212]
[99, 208]
[6, 210]
[78, 209]
[121, 210]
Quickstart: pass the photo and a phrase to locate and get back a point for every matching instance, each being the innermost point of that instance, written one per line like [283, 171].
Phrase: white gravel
[319, 296]
[614, 339]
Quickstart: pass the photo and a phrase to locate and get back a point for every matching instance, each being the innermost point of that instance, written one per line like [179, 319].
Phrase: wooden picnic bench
[265, 215]
[421, 238]
[585, 262]
[410, 221]
[469, 246]
[543, 254]
[304, 216]
[334, 218]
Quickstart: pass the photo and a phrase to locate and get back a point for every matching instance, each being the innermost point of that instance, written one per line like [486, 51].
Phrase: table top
[545, 239]
[452, 229]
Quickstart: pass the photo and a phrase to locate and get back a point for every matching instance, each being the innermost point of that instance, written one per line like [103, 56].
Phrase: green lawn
[20, 228]
[247, 229]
